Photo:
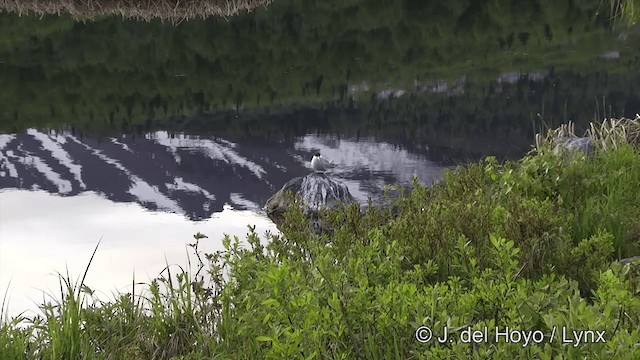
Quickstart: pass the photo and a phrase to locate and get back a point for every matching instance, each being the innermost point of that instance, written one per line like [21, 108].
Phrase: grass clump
[626, 11]
[175, 11]
[531, 245]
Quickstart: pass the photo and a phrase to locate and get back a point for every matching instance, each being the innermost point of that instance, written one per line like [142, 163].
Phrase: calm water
[43, 233]
[142, 134]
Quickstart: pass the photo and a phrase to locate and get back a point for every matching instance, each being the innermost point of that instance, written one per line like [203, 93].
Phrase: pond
[140, 134]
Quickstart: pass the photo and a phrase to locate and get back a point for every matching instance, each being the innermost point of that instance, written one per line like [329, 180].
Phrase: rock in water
[317, 192]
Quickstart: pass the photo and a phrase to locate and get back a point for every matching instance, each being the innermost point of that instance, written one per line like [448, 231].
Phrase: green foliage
[14, 340]
[589, 257]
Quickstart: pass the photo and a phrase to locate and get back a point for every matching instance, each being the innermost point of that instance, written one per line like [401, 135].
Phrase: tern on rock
[320, 163]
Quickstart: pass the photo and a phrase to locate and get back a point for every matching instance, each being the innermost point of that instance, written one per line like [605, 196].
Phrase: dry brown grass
[607, 135]
[175, 11]
[612, 132]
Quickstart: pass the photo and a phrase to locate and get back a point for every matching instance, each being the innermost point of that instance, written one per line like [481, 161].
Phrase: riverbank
[174, 11]
[530, 245]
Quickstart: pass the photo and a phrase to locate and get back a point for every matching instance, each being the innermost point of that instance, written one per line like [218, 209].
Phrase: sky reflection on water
[42, 234]
[187, 180]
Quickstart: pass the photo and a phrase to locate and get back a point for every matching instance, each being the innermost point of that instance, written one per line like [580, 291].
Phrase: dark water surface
[142, 132]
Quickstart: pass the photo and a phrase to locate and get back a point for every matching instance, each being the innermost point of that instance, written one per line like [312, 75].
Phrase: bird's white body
[320, 163]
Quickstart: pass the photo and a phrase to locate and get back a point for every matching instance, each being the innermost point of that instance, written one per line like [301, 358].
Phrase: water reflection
[42, 233]
[145, 197]
[111, 75]
[196, 175]
[366, 166]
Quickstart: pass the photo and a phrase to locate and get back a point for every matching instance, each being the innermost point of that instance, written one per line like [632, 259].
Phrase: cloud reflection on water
[42, 234]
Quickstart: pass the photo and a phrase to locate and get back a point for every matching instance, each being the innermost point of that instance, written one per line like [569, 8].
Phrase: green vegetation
[176, 11]
[108, 75]
[628, 11]
[529, 244]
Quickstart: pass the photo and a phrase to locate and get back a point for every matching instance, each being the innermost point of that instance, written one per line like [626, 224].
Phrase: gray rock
[317, 191]
[629, 260]
[633, 262]
[573, 145]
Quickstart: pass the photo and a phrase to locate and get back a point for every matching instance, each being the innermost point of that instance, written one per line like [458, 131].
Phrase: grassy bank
[531, 245]
[175, 11]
